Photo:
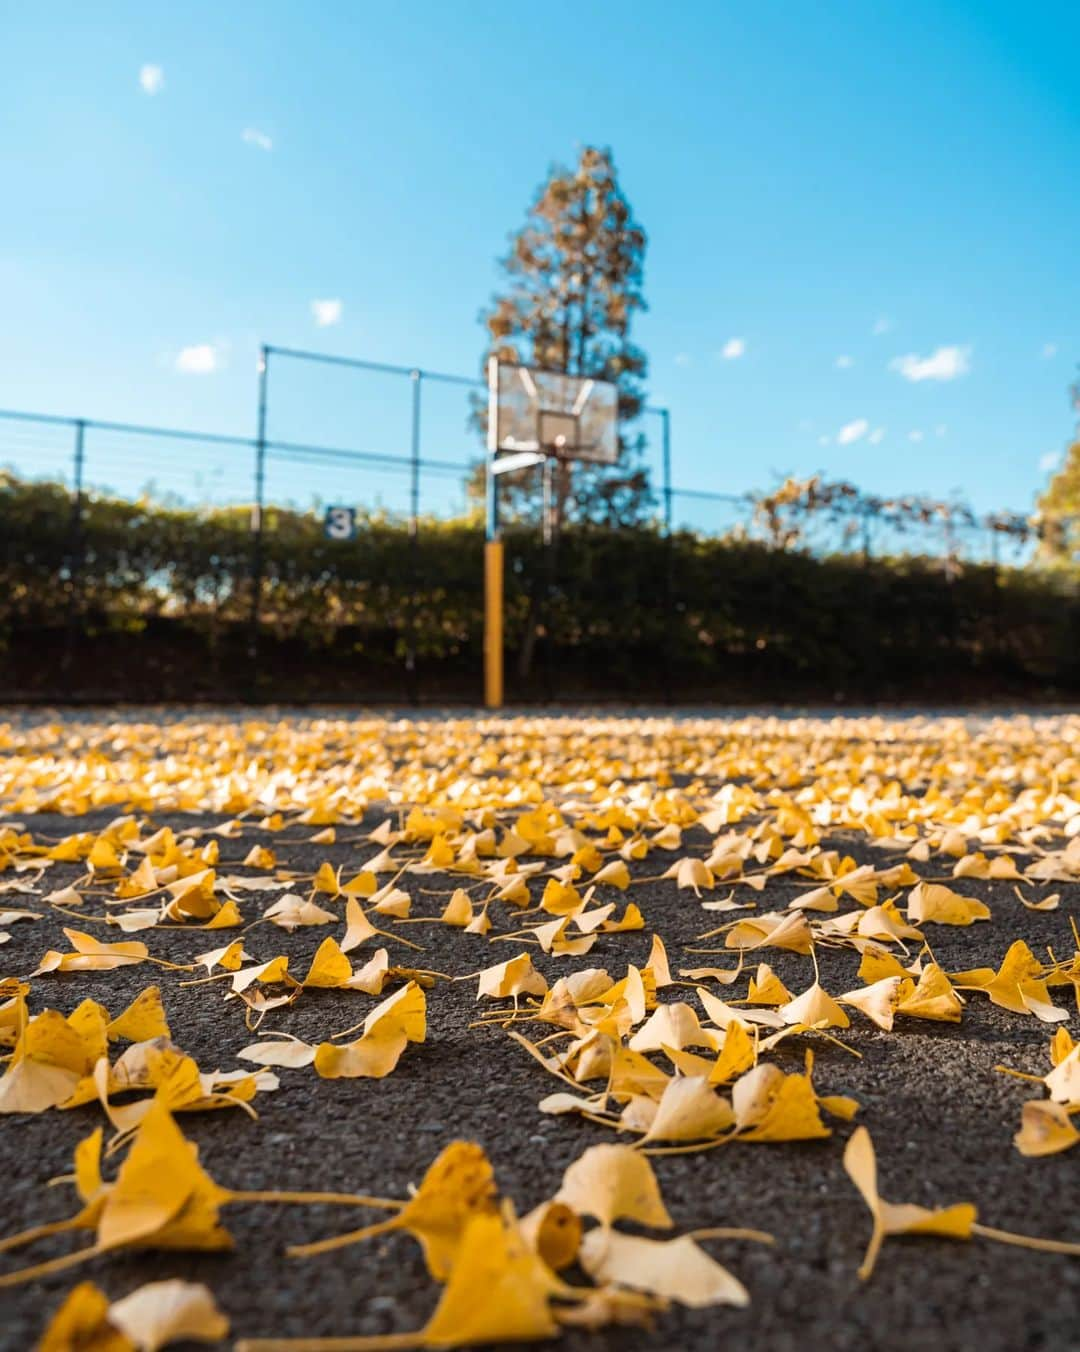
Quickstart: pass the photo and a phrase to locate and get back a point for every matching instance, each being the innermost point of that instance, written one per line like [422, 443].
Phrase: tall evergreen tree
[574, 278]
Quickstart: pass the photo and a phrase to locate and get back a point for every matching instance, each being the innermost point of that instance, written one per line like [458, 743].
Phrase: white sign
[339, 523]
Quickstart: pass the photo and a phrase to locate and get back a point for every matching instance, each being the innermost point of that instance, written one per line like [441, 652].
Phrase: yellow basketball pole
[493, 624]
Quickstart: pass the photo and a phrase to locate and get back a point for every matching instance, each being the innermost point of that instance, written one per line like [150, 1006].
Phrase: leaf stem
[1026, 1241]
[341, 1241]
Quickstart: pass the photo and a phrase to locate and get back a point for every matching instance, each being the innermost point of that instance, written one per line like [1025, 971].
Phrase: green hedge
[159, 606]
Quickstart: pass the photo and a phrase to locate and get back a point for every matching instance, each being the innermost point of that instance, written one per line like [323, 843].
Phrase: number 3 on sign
[339, 523]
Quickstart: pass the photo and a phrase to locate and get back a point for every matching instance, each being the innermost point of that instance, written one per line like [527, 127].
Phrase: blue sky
[861, 222]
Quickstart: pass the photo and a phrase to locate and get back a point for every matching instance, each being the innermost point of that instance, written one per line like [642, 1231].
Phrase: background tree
[1059, 506]
[573, 285]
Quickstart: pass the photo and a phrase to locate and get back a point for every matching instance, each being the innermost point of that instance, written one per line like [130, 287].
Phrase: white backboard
[573, 417]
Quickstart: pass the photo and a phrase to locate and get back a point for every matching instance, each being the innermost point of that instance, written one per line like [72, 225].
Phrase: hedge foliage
[139, 601]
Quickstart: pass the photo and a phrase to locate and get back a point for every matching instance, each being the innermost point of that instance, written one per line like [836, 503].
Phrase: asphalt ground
[942, 1121]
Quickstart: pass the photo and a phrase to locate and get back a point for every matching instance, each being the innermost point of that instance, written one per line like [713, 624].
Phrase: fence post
[995, 584]
[414, 543]
[75, 551]
[257, 523]
[669, 554]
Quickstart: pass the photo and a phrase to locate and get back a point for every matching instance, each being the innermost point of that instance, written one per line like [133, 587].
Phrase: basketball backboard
[549, 413]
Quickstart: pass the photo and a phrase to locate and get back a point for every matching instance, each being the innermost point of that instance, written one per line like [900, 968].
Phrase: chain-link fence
[138, 565]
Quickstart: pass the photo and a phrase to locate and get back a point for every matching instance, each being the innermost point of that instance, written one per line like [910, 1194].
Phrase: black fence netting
[109, 599]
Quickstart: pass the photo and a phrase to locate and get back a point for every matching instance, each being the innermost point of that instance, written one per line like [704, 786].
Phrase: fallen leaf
[860, 1163]
[674, 1269]
[164, 1312]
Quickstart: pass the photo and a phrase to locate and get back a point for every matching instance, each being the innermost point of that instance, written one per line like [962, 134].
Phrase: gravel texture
[941, 1118]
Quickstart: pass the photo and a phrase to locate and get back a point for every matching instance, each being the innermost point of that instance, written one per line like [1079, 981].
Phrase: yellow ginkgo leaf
[82, 1324]
[561, 898]
[227, 917]
[230, 958]
[458, 910]
[616, 874]
[771, 1106]
[816, 1009]
[737, 1055]
[1045, 1129]
[329, 968]
[271, 973]
[790, 931]
[358, 928]
[675, 1269]
[103, 858]
[631, 919]
[515, 977]
[362, 884]
[977, 865]
[879, 1000]
[611, 1305]
[48, 1062]
[161, 1198]
[940, 905]
[632, 1074]
[139, 883]
[286, 1052]
[458, 1186]
[1017, 985]
[933, 997]
[143, 1019]
[691, 873]
[164, 1312]
[399, 1020]
[291, 912]
[611, 1183]
[657, 963]
[766, 988]
[673, 1025]
[1049, 903]
[860, 1163]
[260, 856]
[495, 1259]
[689, 1110]
[91, 955]
[1063, 1081]
[326, 879]
[554, 938]
[553, 1231]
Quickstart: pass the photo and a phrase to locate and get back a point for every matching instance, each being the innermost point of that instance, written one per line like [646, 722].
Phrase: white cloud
[944, 363]
[327, 312]
[151, 79]
[1049, 350]
[844, 362]
[852, 432]
[683, 359]
[1049, 461]
[253, 137]
[881, 325]
[877, 436]
[200, 359]
[916, 434]
[733, 348]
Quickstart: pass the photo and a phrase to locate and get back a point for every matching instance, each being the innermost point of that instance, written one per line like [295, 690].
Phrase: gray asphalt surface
[941, 1119]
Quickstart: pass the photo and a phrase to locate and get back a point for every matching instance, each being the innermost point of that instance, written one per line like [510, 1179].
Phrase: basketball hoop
[536, 417]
